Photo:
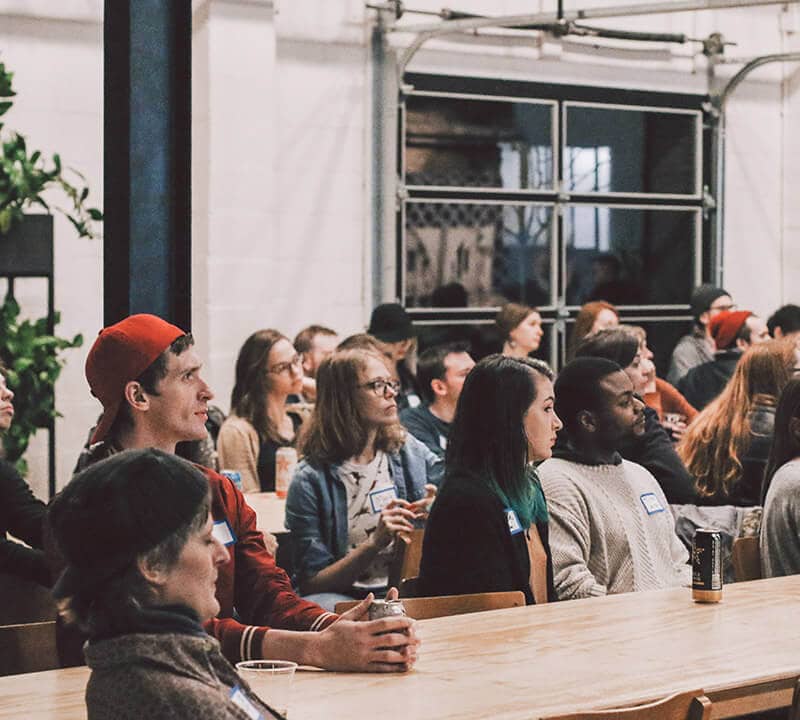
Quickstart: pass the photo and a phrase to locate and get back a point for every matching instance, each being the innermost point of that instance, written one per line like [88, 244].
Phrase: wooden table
[270, 510]
[528, 662]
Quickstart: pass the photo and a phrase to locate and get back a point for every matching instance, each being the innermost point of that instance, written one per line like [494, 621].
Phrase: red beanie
[725, 326]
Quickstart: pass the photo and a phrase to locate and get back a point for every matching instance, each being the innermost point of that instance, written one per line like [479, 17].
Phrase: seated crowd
[560, 487]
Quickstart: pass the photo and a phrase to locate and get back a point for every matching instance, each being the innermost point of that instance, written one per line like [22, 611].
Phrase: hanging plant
[24, 177]
[31, 357]
[30, 352]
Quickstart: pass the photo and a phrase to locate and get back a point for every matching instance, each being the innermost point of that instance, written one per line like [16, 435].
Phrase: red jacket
[252, 583]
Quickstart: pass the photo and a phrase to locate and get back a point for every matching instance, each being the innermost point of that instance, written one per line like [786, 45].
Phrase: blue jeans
[328, 600]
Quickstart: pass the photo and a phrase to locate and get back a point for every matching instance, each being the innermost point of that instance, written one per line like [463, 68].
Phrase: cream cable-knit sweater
[602, 538]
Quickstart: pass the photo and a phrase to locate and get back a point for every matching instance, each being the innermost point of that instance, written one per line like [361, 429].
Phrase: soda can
[285, 463]
[386, 608]
[234, 476]
[707, 566]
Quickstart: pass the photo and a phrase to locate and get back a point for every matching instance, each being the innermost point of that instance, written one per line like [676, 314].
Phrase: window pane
[629, 256]
[630, 151]
[477, 255]
[500, 144]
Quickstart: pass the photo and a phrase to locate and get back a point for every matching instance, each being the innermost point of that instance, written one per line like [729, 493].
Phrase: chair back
[692, 705]
[28, 648]
[406, 559]
[425, 608]
[24, 601]
[794, 713]
[746, 559]
[409, 587]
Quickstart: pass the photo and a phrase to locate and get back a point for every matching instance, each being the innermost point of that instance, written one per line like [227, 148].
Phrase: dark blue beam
[147, 173]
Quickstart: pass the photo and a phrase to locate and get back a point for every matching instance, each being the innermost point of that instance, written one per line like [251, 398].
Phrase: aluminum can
[285, 463]
[386, 608]
[234, 476]
[707, 566]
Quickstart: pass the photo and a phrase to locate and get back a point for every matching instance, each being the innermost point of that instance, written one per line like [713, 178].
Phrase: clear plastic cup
[271, 680]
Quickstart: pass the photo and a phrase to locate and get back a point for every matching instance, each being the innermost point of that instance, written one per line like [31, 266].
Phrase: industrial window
[551, 195]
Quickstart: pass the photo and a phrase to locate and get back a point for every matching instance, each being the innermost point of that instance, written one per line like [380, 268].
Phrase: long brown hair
[584, 321]
[718, 437]
[336, 430]
[250, 391]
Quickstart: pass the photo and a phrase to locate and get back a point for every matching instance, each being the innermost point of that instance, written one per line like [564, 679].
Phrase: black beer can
[707, 566]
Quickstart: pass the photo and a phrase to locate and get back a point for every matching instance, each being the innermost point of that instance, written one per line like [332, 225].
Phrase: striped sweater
[611, 530]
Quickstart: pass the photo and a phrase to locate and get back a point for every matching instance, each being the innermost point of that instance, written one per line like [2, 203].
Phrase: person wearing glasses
[362, 484]
[698, 347]
[268, 370]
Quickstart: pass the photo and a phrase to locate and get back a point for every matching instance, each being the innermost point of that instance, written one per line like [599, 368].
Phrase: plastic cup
[271, 680]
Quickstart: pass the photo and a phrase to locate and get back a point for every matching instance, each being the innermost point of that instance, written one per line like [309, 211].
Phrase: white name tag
[651, 503]
[443, 442]
[379, 499]
[241, 700]
[222, 532]
[514, 525]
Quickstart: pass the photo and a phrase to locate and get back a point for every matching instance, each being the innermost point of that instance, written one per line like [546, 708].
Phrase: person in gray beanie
[698, 347]
[142, 559]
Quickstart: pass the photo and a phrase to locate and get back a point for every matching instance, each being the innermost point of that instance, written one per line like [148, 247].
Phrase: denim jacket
[316, 506]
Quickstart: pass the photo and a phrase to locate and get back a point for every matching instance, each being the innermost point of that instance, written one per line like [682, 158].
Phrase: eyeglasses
[380, 387]
[294, 363]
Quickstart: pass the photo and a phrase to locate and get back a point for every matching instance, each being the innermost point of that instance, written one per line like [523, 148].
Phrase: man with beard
[611, 530]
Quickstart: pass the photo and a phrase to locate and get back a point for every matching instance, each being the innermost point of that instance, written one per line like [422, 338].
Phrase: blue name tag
[379, 499]
[223, 532]
[241, 700]
[651, 503]
[514, 525]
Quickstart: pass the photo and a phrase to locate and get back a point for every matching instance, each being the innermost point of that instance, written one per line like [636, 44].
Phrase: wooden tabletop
[270, 509]
[534, 661]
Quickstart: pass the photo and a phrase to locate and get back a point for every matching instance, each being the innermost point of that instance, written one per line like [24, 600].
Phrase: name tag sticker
[651, 503]
[443, 442]
[514, 525]
[222, 531]
[241, 700]
[379, 499]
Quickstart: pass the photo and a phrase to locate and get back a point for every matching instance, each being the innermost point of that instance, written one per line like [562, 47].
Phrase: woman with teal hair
[487, 531]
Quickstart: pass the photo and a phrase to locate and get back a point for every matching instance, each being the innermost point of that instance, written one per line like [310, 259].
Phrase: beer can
[234, 476]
[386, 608]
[285, 463]
[707, 566]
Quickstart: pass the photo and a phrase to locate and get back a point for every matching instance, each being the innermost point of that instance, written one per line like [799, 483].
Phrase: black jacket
[654, 450]
[468, 547]
[22, 515]
[703, 383]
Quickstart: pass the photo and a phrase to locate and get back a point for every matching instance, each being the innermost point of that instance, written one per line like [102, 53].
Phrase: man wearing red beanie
[146, 374]
[733, 333]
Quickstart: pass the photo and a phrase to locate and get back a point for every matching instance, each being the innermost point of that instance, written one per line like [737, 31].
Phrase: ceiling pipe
[427, 32]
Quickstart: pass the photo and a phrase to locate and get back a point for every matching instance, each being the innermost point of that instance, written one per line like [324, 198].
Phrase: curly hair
[719, 437]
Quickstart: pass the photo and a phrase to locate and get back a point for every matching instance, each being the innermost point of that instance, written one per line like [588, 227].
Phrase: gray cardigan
[170, 676]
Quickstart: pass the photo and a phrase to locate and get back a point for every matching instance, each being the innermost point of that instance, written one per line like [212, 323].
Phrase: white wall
[58, 76]
[281, 154]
